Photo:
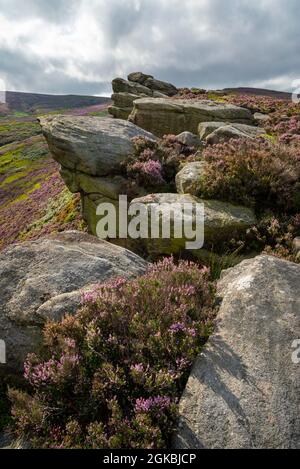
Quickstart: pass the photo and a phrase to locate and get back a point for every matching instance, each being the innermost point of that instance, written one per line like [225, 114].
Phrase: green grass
[99, 114]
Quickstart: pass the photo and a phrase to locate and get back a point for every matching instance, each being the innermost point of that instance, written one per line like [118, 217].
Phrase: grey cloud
[212, 44]
[52, 10]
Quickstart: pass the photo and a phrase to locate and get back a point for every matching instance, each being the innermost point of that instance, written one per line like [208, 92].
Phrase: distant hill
[260, 92]
[32, 102]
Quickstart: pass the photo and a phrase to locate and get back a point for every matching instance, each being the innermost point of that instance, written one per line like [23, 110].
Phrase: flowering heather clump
[154, 164]
[274, 235]
[111, 376]
[289, 130]
[147, 173]
[253, 173]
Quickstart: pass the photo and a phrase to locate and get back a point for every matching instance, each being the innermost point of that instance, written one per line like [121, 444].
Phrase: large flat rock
[43, 279]
[92, 145]
[244, 389]
[163, 116]
[222, 221]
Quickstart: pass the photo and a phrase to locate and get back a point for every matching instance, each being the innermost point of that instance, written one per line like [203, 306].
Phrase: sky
[79, 46]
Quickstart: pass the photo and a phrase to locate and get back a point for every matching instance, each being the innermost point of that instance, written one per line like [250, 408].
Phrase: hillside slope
[33, 198]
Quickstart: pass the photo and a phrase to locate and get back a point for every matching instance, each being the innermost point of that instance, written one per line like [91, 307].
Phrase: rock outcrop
[91, 145]
[222, 221]
[244, 389]
[165, 116]
[119, 85]
[90, 150]
[138, 85]
[43, 279]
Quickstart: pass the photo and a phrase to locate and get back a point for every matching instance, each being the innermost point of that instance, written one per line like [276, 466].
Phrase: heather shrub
[255, 103]
[257, 174]
[274, 235]
[289, 130]
[111, 375]
[154, 164]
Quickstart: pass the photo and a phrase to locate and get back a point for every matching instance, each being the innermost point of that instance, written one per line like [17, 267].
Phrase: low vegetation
[255, 173]
[154, 164]
[111, 376]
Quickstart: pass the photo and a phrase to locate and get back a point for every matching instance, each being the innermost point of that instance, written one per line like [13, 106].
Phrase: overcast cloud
[78, 46]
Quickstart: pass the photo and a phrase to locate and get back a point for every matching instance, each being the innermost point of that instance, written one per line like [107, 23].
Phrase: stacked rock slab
[165, 116]
[90, 151]
[138, 85]
[43, 279]
[244, 389]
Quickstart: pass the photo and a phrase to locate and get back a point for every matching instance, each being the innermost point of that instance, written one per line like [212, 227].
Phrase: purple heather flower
[146, 405]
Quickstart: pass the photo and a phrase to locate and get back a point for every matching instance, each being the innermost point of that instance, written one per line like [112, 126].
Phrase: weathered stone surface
[214, 130]
[89, 204]
[119, 113]
[92, 145]
[261, 118]
[189, 139]
[139, 77]
[110, 187]
[244, 389]
[165, 116]
[124, 100]
[41, 279]
[120, 85]
[222, 220]
[158, 94]
[207, 128]
[162, 86]
[188, 180]
[228, 132]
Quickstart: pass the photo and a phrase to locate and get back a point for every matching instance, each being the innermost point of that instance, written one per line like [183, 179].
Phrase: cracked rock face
[165, 116]
[91, 145]
[244, 389]
[43, 279]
